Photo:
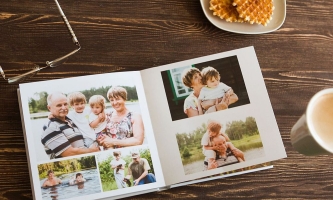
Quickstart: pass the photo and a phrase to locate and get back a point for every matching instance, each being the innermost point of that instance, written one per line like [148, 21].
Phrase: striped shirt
[59, 136]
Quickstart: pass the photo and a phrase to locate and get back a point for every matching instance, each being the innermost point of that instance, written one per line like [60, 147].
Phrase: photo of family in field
[69, 178]
[75, 118]
[219, 143]
[125, 168]
[204, 88]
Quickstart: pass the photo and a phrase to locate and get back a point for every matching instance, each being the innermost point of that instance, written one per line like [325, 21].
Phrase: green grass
[196, 154]
[112, 185]
[107, 186]
[246, 143]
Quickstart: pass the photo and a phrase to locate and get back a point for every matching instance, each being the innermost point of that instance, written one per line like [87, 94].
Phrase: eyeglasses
[53, 63]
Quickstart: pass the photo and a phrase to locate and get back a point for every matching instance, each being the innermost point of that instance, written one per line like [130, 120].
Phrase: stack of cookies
[251, 11]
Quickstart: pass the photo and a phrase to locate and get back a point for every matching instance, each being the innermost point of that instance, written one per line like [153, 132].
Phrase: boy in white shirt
[118, 166]
[80, 116]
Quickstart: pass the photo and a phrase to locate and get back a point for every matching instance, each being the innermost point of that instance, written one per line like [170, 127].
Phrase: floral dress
[120, 130]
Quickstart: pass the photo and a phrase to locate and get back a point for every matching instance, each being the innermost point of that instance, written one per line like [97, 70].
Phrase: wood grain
[296, 62]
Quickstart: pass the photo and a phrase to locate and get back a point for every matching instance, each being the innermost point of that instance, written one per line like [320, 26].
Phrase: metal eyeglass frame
[53, 63]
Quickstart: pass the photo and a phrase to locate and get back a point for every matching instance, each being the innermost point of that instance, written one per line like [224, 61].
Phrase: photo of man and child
[82, 121]
[125, 168]
[218, 143]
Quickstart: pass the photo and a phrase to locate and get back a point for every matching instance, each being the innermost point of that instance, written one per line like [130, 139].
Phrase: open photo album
[121, 134]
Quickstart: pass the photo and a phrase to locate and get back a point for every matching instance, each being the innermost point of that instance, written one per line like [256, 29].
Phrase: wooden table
[296, 62]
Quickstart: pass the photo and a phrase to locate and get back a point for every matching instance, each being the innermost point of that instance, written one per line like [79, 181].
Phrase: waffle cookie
[252, 11]
[255, 11]
[225, 10]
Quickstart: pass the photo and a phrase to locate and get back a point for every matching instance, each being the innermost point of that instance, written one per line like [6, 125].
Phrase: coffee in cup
[313, 132]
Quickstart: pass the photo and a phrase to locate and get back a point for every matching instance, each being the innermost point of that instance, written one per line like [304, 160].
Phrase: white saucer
[278, 17]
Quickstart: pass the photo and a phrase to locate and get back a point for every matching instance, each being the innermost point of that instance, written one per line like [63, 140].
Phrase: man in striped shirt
[62, 138]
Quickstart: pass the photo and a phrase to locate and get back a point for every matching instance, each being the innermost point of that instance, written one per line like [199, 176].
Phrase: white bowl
[278, 17]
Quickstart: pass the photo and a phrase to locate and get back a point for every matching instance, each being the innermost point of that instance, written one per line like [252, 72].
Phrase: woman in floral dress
[124, 127]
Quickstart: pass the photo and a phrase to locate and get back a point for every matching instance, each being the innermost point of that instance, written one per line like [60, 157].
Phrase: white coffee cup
[313, 132]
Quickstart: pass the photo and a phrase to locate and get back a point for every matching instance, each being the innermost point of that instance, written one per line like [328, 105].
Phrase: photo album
[120, 134]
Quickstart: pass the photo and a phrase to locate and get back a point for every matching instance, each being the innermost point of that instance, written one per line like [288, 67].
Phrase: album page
[235, 127]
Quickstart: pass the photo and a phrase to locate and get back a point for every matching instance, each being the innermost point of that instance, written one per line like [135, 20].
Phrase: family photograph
[85, 118]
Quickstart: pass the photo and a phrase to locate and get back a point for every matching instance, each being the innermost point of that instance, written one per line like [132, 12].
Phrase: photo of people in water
[126, 167]
[217, 143]
[203, 88]
[69, 178]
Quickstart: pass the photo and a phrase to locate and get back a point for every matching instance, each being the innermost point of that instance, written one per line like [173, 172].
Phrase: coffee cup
[313, 132]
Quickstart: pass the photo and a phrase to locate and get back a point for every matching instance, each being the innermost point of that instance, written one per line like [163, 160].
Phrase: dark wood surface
[121, 35]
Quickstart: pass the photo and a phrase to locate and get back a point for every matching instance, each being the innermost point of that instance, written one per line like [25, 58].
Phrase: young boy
[213, 130]
[80, 117]
[215, 95]
[209, 150]
[118, 166]
[78, 179]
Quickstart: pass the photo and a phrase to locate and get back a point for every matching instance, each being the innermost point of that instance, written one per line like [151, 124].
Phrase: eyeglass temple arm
[37, 68]
[16, 78]
[50, 63]
[76, 42]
